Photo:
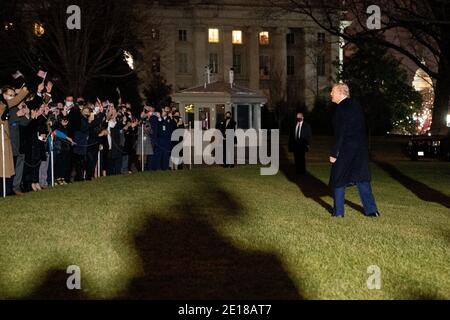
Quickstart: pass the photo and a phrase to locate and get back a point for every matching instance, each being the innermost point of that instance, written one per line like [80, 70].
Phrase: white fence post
[99, 159]
[142, 147]
[52, 165]
[3, 162]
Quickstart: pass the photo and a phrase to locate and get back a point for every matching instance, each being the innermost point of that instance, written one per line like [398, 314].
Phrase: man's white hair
[343, 88]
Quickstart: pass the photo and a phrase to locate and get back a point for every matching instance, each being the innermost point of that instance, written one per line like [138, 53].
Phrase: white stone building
[281, 55]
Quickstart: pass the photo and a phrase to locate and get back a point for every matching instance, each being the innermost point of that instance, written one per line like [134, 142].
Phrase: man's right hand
[333, 160]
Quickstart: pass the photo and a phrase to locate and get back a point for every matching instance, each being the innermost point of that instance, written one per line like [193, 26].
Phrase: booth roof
[221, 87]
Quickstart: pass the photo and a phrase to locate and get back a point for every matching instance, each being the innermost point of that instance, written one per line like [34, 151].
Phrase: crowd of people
[88, 138]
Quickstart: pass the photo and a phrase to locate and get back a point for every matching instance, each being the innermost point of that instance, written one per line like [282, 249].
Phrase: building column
[280, 59]
[257, 116]
[310, 67]
[253, 58]
[181, 108]
[250, 116]
[335, 49]
[200, 54]
[227, 53]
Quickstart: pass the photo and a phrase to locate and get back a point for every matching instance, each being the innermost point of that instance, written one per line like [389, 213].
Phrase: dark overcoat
[350, 147]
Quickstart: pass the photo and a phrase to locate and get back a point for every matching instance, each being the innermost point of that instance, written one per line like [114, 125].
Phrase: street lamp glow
[129, 59]
[39, 29]
[342, 26]
[448, 120]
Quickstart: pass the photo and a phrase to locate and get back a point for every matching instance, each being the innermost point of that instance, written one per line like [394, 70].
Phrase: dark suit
[163, 143]
[223, 127]
[115, 153]
[351, 151]
[299, 141]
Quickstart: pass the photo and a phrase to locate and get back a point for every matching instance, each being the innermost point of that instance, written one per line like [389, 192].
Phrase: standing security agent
[299, 140]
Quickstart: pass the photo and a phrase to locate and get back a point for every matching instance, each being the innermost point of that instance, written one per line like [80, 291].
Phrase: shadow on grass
[186, 258]
[311, 187]
[416, 290]
[421, 190]
[54, 287]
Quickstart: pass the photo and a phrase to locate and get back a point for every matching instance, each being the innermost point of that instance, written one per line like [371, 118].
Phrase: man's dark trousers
[365, 193]
[300, 162]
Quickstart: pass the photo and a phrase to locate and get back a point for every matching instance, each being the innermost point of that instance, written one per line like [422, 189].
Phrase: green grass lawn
[230, 233]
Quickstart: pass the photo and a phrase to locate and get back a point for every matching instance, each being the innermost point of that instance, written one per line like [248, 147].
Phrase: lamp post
[342, 25]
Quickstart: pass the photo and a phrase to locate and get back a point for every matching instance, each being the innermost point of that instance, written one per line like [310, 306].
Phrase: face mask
[7, 98]
[97, 110]
[69, 104]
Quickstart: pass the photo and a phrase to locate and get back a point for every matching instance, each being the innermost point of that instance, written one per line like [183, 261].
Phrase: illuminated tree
[415, 29]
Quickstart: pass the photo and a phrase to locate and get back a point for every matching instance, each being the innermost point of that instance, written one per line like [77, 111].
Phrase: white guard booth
[209, 103]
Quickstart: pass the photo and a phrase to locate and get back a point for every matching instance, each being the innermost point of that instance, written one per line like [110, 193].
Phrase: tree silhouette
[415, 29]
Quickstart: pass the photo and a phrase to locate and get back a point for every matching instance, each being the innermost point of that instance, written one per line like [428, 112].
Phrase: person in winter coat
[350, 155]
[9, 98]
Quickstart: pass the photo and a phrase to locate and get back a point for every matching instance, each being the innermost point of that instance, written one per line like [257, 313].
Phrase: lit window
[213, 36]
[264, 37]
[189, 108]
[189, 111]
[237, 37]
[39, 29]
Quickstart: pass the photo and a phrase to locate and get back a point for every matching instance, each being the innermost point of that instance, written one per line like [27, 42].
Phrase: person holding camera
[115, 125]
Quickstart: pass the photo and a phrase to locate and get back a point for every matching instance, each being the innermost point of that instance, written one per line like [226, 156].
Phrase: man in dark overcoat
[350, 155]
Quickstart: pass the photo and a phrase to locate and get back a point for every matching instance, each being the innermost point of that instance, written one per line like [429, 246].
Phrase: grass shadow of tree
[54, 287]
[421, 190]
[311, 187]
[186, 258]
